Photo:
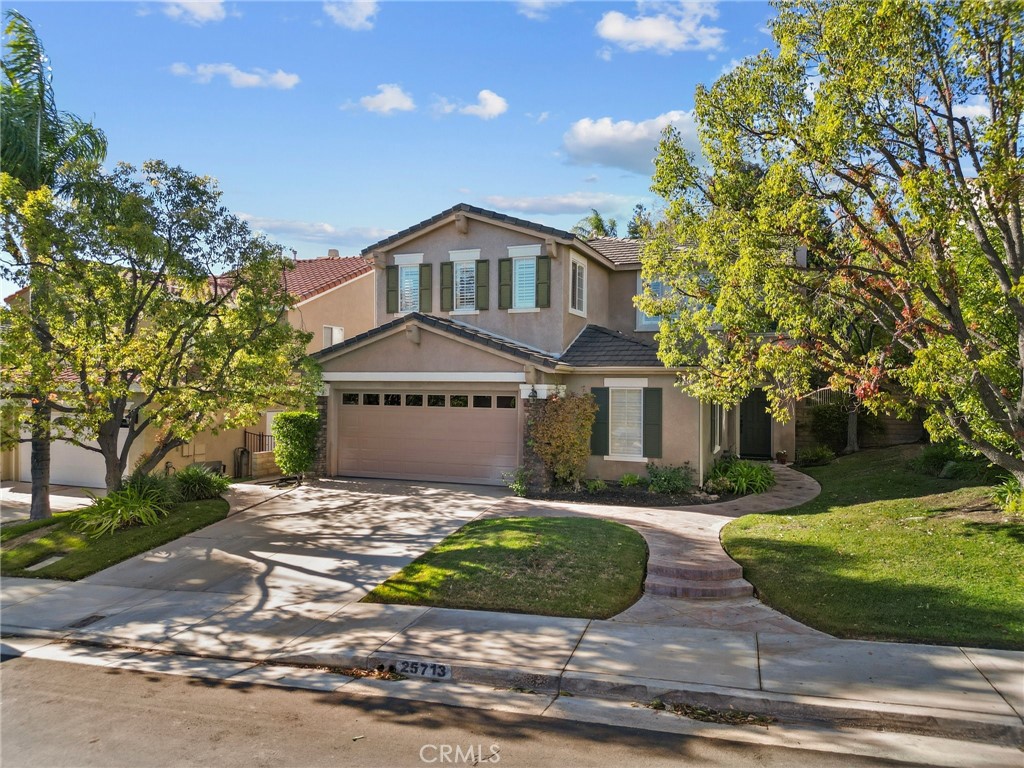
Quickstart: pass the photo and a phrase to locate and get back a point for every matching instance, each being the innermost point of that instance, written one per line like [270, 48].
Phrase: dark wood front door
[755, 427]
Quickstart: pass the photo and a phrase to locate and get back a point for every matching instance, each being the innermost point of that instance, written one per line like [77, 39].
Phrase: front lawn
[552, 566]
[31, 542]
[885, 553]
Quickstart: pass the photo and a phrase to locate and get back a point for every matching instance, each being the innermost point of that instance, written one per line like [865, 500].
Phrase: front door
[755, 427]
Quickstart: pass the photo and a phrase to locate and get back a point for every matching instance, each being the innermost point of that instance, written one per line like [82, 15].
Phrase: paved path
[278, 584]
[16, 499]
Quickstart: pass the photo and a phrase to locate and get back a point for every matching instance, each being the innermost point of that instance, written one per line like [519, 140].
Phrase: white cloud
[237, 78]
[605, 54]
[353, 14]
[389, 98]
[976, 106]
[195, 12]
[316, 231]
[624, 143]
[537, 10]
[663, 27]
[573, 202]
[488, 106]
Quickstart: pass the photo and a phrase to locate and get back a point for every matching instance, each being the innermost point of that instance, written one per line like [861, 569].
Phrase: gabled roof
[598, 347]
[311, 277]
[453, 328]
[619, 250]
[501, 218]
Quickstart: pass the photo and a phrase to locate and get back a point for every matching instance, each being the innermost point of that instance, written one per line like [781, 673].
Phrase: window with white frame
[333, 334]
[524, 282]
[465, 286]
[716, 427]
[408, 288]
[578, 287]
[645, 322]
[626, 422]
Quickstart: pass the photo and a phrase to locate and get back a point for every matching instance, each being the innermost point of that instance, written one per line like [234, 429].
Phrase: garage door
[429, 435]
[69, 465]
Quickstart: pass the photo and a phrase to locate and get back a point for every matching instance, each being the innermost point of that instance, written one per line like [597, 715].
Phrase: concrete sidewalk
[266, 626]
[16, 499]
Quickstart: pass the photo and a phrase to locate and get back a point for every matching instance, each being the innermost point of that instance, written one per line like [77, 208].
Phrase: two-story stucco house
[477, 312]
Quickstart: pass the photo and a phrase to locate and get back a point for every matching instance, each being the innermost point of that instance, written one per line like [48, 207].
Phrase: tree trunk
[40, 509]
[113, 462]
[852, 446]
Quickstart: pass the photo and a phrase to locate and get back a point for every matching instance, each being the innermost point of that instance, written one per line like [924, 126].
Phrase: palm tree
[41, 147]
[595, 225]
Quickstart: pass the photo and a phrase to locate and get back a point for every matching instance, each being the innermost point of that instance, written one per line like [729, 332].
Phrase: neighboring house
[334, 299]
[478, 313]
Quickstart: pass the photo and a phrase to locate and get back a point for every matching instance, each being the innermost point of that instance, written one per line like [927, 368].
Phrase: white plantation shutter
[626, 422]
[465, 285]
[409, 288]
[524, 283]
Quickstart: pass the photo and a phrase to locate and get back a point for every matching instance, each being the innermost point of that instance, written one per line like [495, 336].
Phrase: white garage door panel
[69, 465]
[471, 445]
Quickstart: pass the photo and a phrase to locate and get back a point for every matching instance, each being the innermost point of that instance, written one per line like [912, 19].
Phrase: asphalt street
[59, 714]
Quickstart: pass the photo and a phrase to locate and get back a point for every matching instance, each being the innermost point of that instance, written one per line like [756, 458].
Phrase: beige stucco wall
[434, 351]
[205, 447]
[350, 305]
[549, 329]
[680, 426]
[622, 288]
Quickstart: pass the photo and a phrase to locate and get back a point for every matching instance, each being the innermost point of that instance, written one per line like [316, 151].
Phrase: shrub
[815, 456]
[630, 480]
[744, 476]
[197, 482]
[1009, 495]
[829, 424]
[597, 485]
[295, 434]
[164, 487]
[936, 456]
[517, 481]
[669, 479]
[560, 436]
[720, 484]
[121, 509]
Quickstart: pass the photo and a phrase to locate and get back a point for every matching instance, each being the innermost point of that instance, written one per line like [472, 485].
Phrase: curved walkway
[691, 581]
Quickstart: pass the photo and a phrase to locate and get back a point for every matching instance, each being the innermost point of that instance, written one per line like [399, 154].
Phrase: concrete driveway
[331, 542]
[16, 499]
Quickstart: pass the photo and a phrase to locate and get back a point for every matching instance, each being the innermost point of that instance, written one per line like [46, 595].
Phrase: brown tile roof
[313, 276]
[601, 347]
[619, 250]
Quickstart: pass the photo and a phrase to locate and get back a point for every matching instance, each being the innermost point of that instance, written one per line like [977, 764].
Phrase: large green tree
[38, 144]
[163, 313]
[866, 174]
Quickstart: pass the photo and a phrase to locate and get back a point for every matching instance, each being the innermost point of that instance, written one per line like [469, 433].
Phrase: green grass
[85, 555]
[551, 566]
[885, 553]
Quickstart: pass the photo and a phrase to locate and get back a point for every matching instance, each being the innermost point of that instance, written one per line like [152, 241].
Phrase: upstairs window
[333, 334]
[408, 284]
[578, 287]
[645, 322]
[464, 282]
[524, 279]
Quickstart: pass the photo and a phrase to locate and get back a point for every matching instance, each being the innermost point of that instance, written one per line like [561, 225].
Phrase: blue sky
[332, 125]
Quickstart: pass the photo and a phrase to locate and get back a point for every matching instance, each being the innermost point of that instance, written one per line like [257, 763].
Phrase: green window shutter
[391, 282]
[425, 288]
[504, 283]
[599, 435]
[483, 269]
[652, 422]
[543, 281]
[447, 286]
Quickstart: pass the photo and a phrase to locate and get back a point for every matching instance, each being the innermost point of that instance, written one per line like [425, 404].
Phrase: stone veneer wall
[262, 464]
[320, 462]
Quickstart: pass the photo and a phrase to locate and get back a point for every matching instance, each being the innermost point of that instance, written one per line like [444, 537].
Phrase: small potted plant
[780, 457]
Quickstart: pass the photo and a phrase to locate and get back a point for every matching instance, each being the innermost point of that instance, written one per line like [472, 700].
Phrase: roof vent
[332, 253]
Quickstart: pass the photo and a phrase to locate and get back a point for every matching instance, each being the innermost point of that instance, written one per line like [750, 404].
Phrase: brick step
[724, 571]
[695, 588]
